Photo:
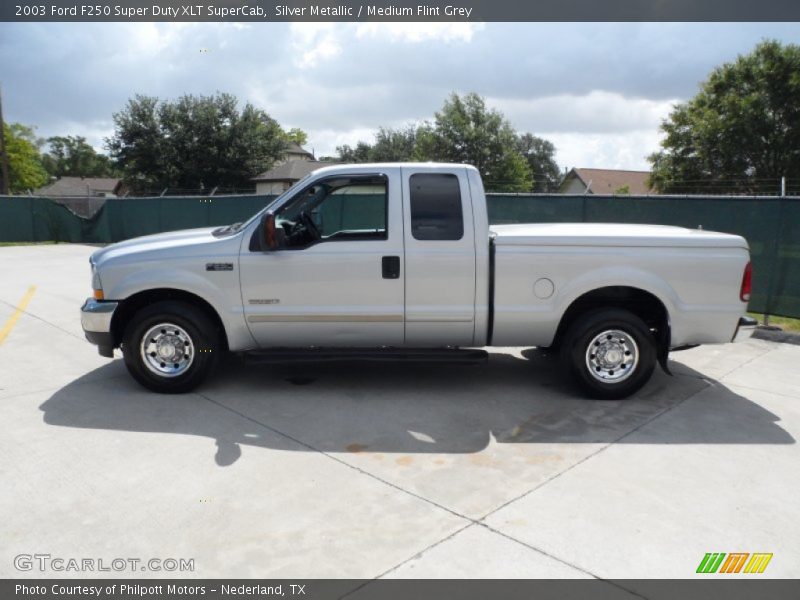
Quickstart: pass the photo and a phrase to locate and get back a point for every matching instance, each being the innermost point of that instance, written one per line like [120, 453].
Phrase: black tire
[578, 362]
[190, 324]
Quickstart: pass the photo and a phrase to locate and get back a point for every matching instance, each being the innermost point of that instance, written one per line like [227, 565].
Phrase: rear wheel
[170, 347]
[610, 353]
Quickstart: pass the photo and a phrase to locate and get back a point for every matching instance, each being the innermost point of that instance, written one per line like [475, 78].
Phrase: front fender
[220, 289]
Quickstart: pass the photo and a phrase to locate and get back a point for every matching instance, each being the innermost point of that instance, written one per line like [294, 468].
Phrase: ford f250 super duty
[399, 261]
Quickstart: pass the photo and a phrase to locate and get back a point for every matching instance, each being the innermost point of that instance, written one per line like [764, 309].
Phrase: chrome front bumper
[745, 328]
[96, 322]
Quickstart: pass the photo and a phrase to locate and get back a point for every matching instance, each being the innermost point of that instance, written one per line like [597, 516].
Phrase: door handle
[390, 267]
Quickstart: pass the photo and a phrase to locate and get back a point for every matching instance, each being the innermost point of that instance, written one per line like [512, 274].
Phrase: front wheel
[610, 353]
[170, 347]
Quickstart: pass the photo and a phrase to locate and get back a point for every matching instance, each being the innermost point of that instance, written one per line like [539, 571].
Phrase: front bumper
[744, 329]
[96, 322]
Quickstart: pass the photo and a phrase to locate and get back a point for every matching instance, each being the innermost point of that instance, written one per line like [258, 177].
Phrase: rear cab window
[436, 212]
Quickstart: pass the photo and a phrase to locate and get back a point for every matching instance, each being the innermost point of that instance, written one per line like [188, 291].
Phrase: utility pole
[3, 154]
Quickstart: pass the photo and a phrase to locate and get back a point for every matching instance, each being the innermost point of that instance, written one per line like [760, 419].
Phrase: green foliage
[541, 157]
[466, 131]
[360, 154]
[297, 135]
[391, 145]
[194, 142]
[24, 163]
[395, 145]
[625, 189]
[743, 126]
[72, 156]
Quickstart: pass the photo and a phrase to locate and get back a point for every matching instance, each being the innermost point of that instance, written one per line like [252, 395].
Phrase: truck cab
[381, 258]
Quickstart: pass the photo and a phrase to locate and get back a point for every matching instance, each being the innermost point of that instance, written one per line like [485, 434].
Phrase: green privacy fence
[34, 219]
[770, 224]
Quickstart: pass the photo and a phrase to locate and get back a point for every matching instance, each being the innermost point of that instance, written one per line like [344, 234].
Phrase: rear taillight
[747, 283]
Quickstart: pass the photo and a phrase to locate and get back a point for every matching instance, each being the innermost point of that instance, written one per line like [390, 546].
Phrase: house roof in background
[295, 148]
[608, 181]
[292, 170]
[79, 186]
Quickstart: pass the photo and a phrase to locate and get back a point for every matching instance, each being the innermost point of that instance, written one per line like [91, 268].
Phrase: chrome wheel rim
[612, 356]
[167, 350]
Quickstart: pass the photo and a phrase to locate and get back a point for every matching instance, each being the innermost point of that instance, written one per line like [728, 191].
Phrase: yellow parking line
[12, 320]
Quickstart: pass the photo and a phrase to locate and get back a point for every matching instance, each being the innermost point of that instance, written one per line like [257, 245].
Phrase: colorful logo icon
[735, 562]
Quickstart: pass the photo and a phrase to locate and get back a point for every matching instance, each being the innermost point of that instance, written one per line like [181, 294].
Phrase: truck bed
[611, 234]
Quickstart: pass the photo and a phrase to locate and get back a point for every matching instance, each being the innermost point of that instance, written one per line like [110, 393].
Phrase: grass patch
[27, 243]
[784, 323]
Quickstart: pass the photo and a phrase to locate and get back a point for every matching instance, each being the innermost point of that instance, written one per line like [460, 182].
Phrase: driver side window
[353, 211]
[339, 208]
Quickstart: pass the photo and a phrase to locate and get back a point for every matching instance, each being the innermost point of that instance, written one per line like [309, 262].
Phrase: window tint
[339, 208]
[356, 211]
[436, 207]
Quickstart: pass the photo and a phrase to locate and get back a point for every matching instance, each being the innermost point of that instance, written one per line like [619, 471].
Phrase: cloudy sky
[598, 91]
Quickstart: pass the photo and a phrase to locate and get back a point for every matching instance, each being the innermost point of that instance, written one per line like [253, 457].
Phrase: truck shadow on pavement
[412, 408]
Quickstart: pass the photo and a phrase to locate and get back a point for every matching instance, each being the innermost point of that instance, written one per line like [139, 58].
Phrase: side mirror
[270, 237]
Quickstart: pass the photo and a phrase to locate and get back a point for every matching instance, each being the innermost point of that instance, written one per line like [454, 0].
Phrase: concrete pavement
[364, 471]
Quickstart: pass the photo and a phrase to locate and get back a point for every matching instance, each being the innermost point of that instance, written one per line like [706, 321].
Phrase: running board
[324, 355]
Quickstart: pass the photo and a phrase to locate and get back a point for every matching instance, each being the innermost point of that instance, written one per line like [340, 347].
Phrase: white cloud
[324, 141]
[597, 111]
[627, 150]
[419, 32]
[95, 132]
[148, 40]
[599, 129]
[313, 43]
[316, 43]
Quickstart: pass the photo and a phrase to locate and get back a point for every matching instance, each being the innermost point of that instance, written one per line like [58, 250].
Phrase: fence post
[776, 248]
[776, 251]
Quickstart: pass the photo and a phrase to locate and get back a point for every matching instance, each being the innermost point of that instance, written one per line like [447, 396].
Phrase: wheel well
[641, 303]
[130, 306]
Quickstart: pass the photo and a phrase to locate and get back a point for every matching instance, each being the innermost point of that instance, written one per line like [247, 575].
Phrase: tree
[73, 156]
[391, 145]
[24, 162]
[540, 155]
[465, 131]
[742, 128]
[395, 145]
[360, 154]
[297, 135]
[195, 142]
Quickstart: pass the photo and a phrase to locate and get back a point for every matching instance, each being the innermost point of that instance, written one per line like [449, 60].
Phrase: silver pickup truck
[399, 260]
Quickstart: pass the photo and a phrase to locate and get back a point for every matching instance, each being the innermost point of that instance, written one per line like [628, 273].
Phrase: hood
[185, 239]
[612, 234]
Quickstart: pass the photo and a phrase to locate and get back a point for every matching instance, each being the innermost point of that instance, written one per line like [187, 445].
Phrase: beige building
[295, 164]
[606, 181]
[280, 178]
